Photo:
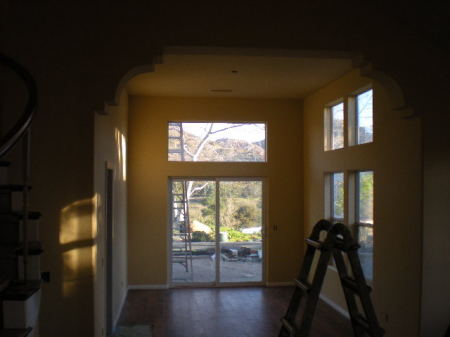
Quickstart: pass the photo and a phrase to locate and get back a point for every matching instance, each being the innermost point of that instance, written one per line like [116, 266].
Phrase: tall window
[217, 142]
[364, 220]
[364, 117]
[334, 195]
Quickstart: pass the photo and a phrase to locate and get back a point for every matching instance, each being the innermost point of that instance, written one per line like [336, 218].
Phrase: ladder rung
[314, 243]
[361, 321]
[341, 246]
[305, 286]
[287, 325]
[351, 283]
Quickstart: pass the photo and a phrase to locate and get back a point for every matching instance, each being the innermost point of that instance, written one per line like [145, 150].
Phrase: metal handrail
[23, 123]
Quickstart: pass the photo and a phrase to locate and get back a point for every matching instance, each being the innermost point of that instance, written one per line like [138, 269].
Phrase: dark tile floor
[223, 312]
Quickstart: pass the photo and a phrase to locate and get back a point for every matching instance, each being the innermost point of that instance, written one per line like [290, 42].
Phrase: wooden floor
[222, 312]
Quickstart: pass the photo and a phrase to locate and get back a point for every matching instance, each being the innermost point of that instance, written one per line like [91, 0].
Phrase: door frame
[108, 259]
[217, 282]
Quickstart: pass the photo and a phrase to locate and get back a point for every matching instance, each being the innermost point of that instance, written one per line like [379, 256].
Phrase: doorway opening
[216, 231]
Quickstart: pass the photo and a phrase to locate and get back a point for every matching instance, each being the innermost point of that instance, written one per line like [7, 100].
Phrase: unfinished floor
[222, 312]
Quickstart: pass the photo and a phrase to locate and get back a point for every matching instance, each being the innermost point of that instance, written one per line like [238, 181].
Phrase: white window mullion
[218, 243]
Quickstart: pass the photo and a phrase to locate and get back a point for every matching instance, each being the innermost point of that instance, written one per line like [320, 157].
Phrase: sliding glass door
[216, 231]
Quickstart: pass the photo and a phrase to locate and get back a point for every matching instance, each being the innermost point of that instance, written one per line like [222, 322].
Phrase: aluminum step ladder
[176, 139]
[181, 229]
[338, 243]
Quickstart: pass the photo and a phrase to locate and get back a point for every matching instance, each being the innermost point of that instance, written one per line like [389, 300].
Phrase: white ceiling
[234, 75]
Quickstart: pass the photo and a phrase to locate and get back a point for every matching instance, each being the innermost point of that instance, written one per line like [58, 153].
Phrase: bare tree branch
[227, 128]
[185, 149]
[202, 143]
[198, 188]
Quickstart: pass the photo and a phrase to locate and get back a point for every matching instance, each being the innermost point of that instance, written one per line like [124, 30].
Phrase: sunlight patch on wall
[76, 239]
[96, 220]
[121, 146]
[77, 266]
[76, 222]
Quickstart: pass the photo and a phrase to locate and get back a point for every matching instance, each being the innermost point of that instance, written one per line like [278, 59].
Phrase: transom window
[217, 142]
[351, 123]
[334, 127]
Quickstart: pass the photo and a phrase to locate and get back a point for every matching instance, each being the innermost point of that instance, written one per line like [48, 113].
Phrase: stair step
[16, 248]
[20, 290]
[8, 249]
[12, 187]
[15, 332]
[14, 217]
[4, 284]
[34, 248]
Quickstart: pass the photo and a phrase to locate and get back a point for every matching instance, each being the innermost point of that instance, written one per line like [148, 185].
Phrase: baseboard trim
[335, 306]
[279, 284]
[147, 286]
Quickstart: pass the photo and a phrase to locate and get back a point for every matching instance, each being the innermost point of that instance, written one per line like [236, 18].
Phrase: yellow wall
[395, 158]
[110, 151]
[149, 171]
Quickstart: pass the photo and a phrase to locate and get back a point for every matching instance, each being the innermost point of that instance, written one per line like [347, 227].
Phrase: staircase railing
[22, 131]
[24, 122]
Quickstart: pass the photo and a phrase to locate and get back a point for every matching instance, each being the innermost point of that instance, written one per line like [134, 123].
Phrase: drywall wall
[149, 171]
[110, 153]
[395, 158]
[436, 231]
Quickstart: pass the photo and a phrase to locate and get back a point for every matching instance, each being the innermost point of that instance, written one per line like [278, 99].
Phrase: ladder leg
[313, 294]
[369, 310]
[298, 292]
[349, 294]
